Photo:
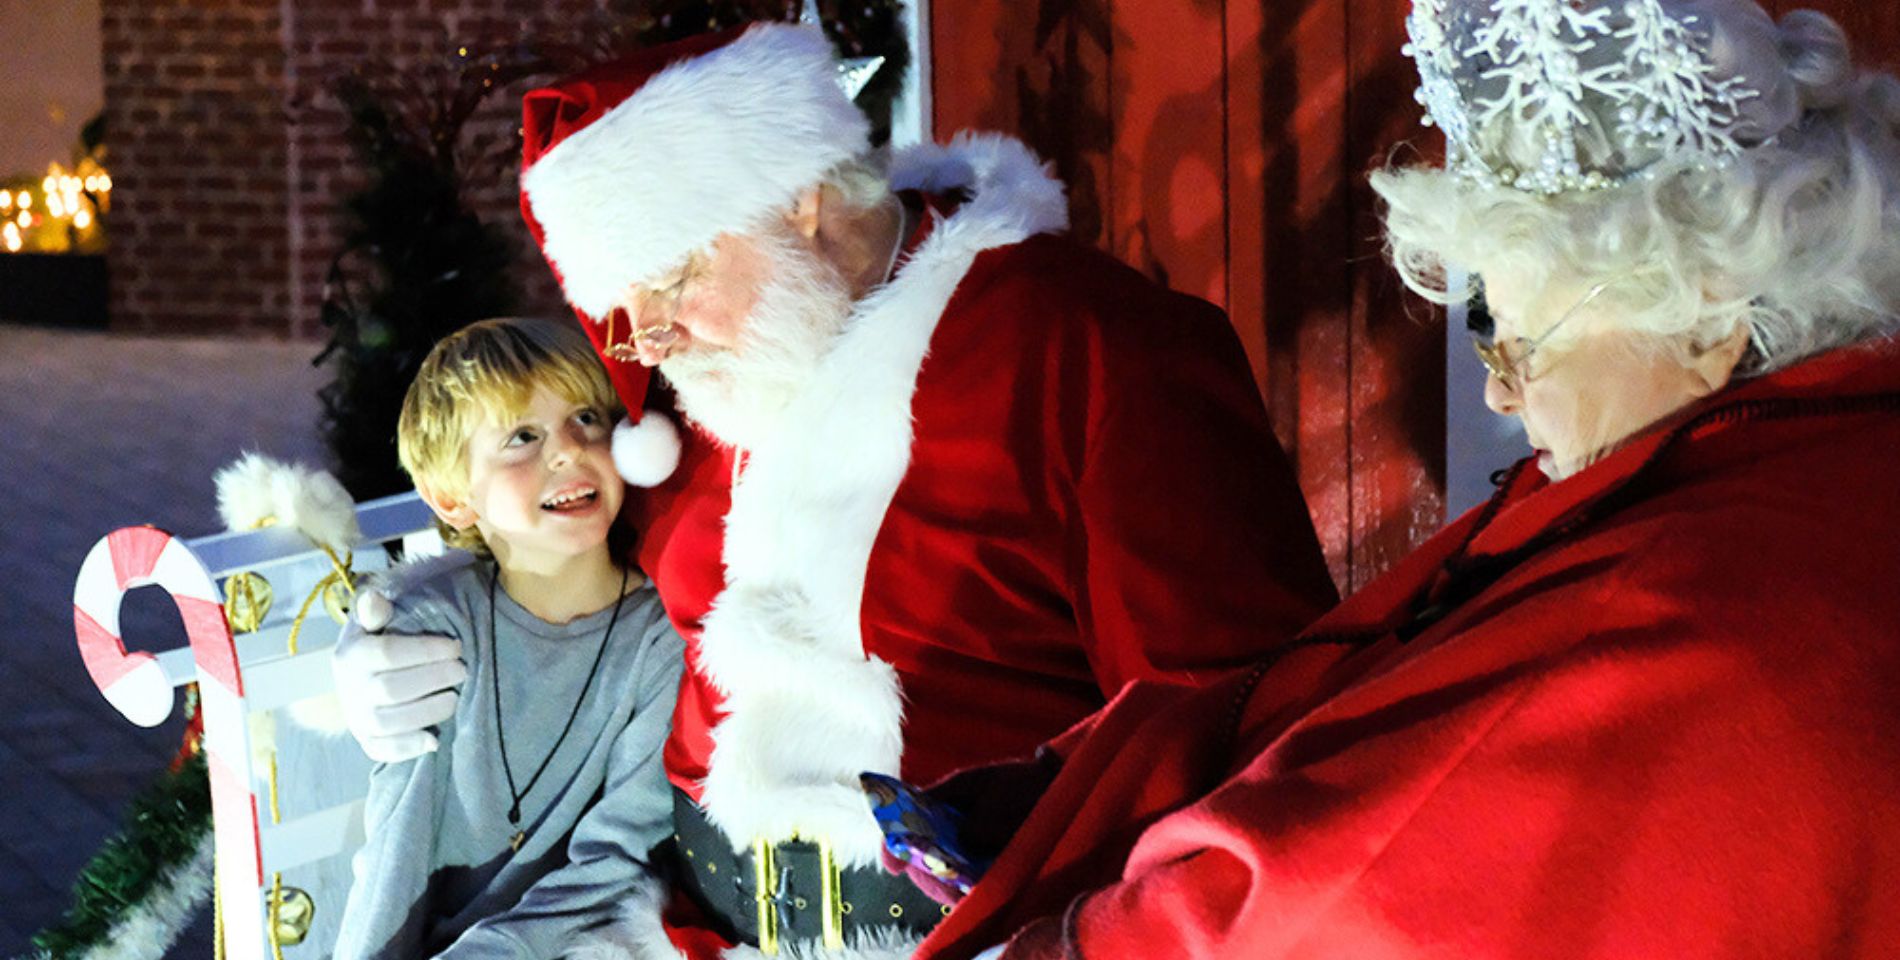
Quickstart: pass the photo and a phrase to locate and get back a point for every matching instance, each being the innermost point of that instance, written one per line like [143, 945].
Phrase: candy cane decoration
[135, 685]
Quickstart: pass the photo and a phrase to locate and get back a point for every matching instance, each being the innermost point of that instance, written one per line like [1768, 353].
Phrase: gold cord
[217, 909]
[340, 576]
[247, 601]
[276, 899]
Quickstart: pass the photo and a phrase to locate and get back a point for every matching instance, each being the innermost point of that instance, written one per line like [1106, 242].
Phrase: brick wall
[229, 158]
[194, 117]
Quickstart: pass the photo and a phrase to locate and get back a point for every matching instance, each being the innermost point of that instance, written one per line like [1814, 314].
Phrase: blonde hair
[488, 372]
[1798, 239]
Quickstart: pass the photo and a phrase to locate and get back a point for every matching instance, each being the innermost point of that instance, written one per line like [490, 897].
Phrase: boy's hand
[394, 687]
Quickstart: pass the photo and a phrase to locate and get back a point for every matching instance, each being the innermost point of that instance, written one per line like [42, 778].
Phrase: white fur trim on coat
[807, 710]
[707, 146]
[647, 452]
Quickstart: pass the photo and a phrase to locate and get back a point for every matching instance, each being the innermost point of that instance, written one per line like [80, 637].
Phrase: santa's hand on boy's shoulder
[394, 687]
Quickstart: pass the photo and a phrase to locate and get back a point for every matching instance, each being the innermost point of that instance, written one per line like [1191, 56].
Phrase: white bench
[286, 801]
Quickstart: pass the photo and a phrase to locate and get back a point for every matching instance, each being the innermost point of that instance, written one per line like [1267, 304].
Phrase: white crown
[1551, 66]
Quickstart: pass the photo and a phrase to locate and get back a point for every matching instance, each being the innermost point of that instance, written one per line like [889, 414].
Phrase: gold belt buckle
[833, 899]
[765, 875]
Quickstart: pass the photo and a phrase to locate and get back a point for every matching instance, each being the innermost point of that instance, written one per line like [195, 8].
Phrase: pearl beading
[1531, 55]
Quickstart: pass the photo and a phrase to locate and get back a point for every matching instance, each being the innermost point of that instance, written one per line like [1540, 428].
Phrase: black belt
[795, 904]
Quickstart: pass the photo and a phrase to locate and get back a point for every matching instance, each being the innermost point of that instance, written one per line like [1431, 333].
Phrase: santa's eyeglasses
[653, 318]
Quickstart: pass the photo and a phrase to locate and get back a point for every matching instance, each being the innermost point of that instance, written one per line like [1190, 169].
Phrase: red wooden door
[1223, 146]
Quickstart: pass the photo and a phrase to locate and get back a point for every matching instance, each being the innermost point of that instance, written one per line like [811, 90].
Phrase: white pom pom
[246, 499]
[646, 453]
[256, 490]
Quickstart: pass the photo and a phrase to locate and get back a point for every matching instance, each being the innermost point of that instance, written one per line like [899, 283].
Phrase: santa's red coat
[1650, 711]
[1031, 477]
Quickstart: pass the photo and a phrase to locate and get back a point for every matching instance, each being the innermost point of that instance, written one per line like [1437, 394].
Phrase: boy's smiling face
[542, 488]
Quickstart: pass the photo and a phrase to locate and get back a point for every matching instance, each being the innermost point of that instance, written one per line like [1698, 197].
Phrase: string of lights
[63, 215]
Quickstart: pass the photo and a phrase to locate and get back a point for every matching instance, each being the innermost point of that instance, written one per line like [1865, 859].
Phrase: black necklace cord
[494, 670]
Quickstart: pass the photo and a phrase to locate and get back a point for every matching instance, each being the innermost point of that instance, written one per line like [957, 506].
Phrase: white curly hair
[1798, 238]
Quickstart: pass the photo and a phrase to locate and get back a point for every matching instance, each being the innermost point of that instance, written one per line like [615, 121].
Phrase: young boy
[534, 817]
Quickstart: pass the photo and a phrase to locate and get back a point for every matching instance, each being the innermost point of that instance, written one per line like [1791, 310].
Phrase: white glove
[394, 687]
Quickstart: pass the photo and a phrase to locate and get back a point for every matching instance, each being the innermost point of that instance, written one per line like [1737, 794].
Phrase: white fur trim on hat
[647, 452]
[708, 146]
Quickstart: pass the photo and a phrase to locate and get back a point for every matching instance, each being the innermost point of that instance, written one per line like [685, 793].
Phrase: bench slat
[312, 837]
[382, 519]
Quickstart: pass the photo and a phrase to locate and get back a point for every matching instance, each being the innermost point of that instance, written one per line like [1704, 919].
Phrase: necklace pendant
[514, 842]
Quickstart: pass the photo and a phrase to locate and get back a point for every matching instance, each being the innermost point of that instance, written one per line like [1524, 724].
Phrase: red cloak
[1649, 711]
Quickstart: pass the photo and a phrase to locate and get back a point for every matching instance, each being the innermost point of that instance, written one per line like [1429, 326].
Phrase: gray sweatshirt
[436, 875]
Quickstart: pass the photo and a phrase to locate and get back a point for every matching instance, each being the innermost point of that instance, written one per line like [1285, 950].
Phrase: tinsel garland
[145, 882]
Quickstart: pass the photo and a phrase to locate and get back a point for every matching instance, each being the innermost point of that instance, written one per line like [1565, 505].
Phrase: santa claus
[950, 480]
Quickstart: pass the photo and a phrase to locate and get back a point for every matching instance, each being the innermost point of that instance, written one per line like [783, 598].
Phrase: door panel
[1222, 146]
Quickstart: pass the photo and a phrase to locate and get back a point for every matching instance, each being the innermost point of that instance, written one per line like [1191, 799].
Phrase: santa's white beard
[739, 394]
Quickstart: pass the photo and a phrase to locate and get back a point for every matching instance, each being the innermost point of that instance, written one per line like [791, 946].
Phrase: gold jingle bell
[336, 601]
[247, 600]
[291, 915]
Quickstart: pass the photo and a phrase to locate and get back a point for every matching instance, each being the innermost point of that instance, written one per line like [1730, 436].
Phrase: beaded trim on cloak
[1540, 62]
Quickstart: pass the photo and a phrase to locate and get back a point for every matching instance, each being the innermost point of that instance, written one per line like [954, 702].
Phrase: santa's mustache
[739, 393]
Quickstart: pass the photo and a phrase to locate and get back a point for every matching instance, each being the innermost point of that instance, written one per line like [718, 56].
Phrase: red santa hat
[634, 164]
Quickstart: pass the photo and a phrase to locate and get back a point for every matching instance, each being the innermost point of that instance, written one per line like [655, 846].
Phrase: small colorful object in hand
[921, 832]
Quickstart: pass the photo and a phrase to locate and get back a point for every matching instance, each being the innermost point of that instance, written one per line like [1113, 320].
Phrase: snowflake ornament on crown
[1548, 66]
